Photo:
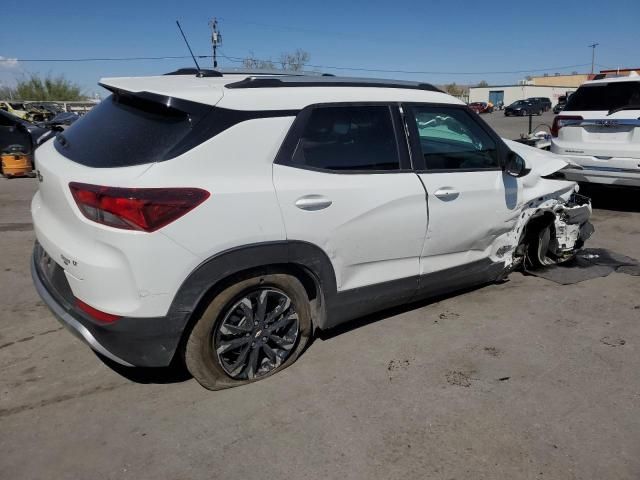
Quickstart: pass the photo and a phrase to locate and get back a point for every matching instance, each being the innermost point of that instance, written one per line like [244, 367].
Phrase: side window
[450, 139]
[348, 138]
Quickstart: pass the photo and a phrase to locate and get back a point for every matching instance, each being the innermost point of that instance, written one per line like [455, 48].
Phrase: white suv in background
[221, 219]
[599, 129]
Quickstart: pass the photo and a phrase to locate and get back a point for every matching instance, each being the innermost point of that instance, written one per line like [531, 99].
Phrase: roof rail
[327, 81]
[195, 71]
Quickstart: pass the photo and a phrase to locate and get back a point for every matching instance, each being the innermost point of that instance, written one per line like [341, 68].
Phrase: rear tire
[236, 341]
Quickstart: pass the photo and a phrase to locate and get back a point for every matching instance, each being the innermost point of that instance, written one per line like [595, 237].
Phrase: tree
[5, 92]
[253, 63]
[48, 88]
[294, 61]
[482, 83]
[453, 89]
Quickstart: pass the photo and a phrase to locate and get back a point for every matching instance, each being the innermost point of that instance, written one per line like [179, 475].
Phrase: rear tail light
[561, 121]
[96, 314]
[146, 209]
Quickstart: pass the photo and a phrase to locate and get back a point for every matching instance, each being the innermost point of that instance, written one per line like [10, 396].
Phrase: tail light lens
[96, 314]
[561, 121]
[145, 209]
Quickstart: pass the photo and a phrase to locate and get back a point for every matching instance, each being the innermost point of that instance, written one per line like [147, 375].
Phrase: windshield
[604, 96]
[519, 103]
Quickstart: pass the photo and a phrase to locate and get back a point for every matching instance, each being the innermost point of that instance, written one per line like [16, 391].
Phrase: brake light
[561, 121]
[146, 209]
[99, 315]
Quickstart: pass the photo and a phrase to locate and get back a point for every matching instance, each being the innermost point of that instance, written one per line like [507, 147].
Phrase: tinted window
[451, 139]
[604, 96]
[348, 138]
[125, 130]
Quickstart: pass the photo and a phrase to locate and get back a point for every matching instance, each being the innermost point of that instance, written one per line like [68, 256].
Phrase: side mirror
[515, 165]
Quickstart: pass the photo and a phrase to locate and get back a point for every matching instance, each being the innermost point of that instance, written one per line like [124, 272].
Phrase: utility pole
[593, 54]
[216, 40]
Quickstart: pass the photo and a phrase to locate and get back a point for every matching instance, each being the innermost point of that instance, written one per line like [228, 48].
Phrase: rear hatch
[601, 119]
[113, 145]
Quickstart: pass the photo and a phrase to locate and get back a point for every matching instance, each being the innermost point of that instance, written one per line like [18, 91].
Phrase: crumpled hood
[540, 161]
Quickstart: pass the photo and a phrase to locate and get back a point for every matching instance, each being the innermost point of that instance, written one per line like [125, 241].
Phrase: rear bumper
[610, 171]
[603, 177]
[140, 342]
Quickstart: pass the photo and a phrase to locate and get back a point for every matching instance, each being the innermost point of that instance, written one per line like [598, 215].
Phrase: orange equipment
[15, 162]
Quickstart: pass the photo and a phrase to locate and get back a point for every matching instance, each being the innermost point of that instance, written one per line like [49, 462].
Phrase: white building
[510, 93]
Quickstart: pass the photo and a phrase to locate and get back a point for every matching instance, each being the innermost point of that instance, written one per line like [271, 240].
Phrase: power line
[104, 59]
[424, 72]
[330, 67]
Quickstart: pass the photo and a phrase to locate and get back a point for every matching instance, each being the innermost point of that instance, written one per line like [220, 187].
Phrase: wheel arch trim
[298, 255]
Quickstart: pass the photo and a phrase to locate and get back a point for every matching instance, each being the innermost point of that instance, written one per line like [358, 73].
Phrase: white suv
[599, 130]
[221, 219]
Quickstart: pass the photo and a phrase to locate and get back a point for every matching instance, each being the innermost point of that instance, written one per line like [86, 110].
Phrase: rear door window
[353, 138]
[604, 96]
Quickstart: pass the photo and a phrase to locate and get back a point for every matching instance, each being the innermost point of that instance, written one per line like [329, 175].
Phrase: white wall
[518, 92]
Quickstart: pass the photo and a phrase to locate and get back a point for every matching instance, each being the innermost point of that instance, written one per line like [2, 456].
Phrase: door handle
[446, 193]
[313, 202]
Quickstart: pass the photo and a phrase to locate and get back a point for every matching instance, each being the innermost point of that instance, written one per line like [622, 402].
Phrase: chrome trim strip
[611, 169]
[604, 123]
[68, 321]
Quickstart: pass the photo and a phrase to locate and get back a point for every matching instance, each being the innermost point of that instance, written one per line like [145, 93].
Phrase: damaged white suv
[222, 219]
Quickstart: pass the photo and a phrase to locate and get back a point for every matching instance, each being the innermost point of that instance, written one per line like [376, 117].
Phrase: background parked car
[481, 107]
[543, 101]
[522, 108]
[17, 131]
[61, 120]
[562, 101]
[599, 130]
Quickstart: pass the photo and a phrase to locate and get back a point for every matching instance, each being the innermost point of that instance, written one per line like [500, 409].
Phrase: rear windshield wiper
[625, 107]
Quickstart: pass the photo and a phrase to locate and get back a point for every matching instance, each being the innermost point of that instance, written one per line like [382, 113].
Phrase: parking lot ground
[513, 127]
[523, 379]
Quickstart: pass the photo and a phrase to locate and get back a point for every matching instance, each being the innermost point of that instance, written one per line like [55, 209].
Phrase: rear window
[126, 130]
[604, 96]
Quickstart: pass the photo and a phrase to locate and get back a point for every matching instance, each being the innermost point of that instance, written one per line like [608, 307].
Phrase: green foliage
[48, 88]
[483, 83]
[5, 93]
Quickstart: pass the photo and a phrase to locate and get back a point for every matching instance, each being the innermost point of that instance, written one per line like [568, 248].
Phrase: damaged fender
[553, 219]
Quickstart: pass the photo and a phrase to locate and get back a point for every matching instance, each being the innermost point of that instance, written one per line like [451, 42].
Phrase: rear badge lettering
[607, 123]
[67, 261]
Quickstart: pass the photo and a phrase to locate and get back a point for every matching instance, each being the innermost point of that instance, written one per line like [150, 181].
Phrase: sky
[463, 41]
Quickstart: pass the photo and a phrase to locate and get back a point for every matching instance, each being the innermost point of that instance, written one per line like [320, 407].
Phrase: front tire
[251, 330]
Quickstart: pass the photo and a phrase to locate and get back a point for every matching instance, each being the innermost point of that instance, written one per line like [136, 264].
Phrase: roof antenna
[199, 74]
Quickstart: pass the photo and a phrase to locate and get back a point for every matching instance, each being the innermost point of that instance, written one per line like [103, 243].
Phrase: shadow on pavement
[620, 199]
[174, 373]
[391, 312]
